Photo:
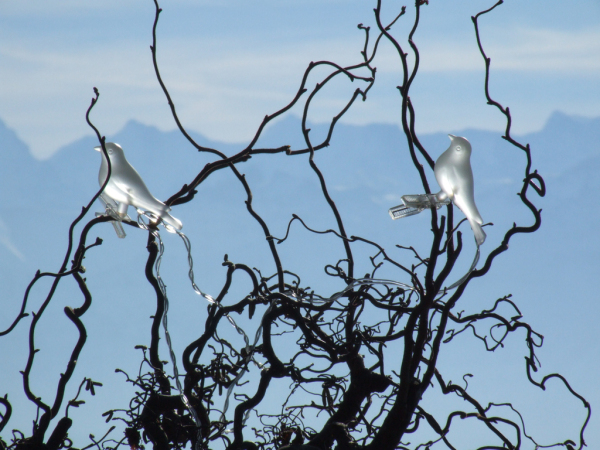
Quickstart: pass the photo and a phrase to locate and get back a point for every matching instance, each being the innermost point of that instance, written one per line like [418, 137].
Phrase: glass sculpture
[454, 175]
[126, 187]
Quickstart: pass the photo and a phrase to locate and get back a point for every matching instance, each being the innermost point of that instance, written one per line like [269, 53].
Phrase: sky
[228, 63]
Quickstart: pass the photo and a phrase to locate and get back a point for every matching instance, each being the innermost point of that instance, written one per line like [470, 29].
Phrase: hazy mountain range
[365, 166]
[552, 273]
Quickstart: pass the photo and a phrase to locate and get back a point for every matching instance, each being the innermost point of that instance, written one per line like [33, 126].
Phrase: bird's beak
[98, 149]
[451, 136]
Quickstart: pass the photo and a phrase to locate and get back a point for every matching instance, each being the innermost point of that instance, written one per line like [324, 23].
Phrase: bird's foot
[401, 211]
[111, 210]
[414, 204]
[115, 223]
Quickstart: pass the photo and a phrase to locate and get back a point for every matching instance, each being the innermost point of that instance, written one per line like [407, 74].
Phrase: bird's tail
[170, 220]
[478, 231]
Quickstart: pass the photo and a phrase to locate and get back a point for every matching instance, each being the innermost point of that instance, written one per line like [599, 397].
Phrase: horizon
[276, 121]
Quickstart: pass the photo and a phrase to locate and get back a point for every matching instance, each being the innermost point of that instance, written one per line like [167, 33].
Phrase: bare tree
[345, 388]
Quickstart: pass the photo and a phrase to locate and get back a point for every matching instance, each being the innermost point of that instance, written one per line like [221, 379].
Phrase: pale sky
[229, 63]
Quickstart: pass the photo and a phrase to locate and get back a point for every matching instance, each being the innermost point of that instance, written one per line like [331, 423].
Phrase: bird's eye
[458, 148]
[110, 151]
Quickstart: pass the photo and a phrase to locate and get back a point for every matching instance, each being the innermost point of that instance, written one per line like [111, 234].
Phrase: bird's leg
[123, 209]
[401, 211]
[425, 201]
[443, 198]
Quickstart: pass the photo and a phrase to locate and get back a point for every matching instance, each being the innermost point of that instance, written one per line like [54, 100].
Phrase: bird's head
[460, 145]
[113, 150]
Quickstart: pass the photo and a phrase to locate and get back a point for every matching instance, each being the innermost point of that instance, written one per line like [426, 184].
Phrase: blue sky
[230, 62]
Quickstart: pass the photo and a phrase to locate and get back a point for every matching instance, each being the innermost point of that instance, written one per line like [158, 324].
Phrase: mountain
[566, 141]
[367, 169]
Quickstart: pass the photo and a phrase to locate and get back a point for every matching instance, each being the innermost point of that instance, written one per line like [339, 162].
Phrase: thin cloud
[58, 8]
[520, 49]
[7, 242]
[223, 88]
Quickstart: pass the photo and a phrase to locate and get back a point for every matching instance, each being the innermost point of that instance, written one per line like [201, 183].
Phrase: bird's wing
[125, 187]
[463, 172]
[465, 192]
[142, 198]
[466, 202]
[444, 175]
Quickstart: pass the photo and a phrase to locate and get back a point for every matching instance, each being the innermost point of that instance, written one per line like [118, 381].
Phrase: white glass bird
[454, 175]
[126, 186]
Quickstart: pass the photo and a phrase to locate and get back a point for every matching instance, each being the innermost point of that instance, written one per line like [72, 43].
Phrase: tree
[362, 359]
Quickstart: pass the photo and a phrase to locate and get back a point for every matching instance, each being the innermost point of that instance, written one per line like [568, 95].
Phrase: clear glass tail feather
[248, 346]
[465, 276]
[163, 289]
[414, 204]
